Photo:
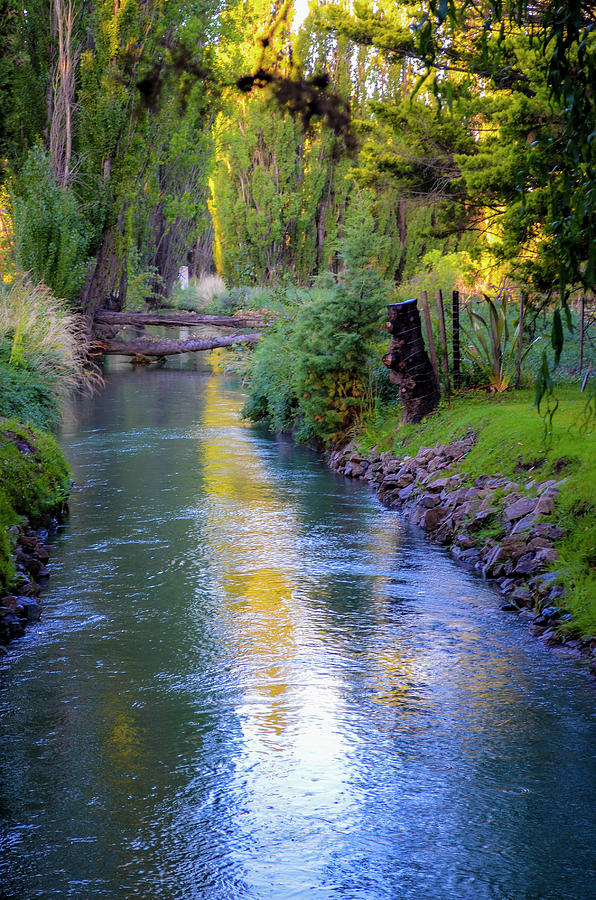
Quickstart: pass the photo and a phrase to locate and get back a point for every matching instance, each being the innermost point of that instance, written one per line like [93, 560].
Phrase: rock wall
[503, 530]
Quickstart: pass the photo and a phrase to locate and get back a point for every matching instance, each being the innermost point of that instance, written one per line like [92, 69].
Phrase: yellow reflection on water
[253, 543]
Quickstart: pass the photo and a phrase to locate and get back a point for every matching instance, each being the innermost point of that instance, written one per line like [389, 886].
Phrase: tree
[526, 72]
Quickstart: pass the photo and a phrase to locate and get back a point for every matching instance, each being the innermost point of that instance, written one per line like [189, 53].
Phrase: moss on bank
[511, 440]
[34, 482]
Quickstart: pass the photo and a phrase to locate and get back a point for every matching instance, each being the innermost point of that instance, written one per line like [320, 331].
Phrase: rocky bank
[504, 530]
[23, 605]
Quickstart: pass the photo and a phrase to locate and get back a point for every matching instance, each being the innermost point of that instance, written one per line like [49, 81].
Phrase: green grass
[34, 481]
[511, 440]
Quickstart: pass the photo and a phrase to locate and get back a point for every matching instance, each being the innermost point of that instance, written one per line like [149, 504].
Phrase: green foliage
[51, 235]
[313, 372]
[436, 271]
[492, 343]
[24, 395]
[35, 481]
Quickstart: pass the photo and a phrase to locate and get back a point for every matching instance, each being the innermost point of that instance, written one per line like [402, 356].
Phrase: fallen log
[170, 348]
[173, 320]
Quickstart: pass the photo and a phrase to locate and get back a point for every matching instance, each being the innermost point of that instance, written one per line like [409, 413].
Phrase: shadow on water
[251, 680]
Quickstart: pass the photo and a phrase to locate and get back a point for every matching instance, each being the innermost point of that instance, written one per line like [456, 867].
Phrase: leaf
[557, 339]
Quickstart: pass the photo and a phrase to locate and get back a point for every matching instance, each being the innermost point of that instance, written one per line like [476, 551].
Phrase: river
[252, 681]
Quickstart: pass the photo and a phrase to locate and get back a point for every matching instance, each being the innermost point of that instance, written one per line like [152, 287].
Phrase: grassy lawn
[511, 439]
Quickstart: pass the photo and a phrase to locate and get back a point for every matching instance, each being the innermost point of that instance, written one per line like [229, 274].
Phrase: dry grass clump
[208, 288]
[44, 337]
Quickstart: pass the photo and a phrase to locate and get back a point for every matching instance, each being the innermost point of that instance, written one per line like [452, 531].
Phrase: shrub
[51, 235]
[23, 394]
[314, 372]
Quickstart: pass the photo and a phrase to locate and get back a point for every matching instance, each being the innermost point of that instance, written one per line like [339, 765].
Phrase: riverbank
[42, 359]
[34, 489]
[517, 510]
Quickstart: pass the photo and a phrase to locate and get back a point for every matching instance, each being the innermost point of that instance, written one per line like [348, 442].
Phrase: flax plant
[492, 344]
[43, 337]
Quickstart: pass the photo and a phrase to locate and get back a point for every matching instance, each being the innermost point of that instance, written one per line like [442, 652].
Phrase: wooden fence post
[429, 333]
[443, 337]
[582, 315]
[520, 338]
[455, 318]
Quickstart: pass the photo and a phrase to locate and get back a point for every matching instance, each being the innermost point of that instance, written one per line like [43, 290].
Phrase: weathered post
[443, 336]
[520, 340]
[455, 320]
[429, 333]
[582, 315]
[408, 362]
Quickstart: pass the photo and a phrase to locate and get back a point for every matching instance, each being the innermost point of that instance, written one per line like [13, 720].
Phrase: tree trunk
[410, 367]
[107, 281]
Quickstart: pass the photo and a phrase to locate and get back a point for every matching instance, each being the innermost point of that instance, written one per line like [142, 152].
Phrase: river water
[252, 681]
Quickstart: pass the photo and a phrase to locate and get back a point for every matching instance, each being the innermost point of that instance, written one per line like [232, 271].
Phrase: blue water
[252, 681]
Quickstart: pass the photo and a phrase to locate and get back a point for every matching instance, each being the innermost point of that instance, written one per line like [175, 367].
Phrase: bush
[23, 394]
[315, 372]
[51, 235]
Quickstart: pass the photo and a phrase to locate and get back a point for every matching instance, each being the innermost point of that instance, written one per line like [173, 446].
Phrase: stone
[354, 470]
[545, 485]
[31, 608]
[539, 543]
[496, 482]
[444, 533]
[485, 513]
[433, 517]
[524, 524]
[29, 589]
[393, 480]
[471, 507]
[521, 508]
[547, 530]
[526, 564]
[470, 555]
[506, 585]
[547, 556]
[438, 484]
[522, 597]
[429, 501]
[545, 505]
[457, 449]
[551, 612]
[508, 606]
[494, 555]
[514, 546]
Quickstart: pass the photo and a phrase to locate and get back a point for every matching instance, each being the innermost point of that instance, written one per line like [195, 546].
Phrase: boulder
[521, 508]
[433, 517]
